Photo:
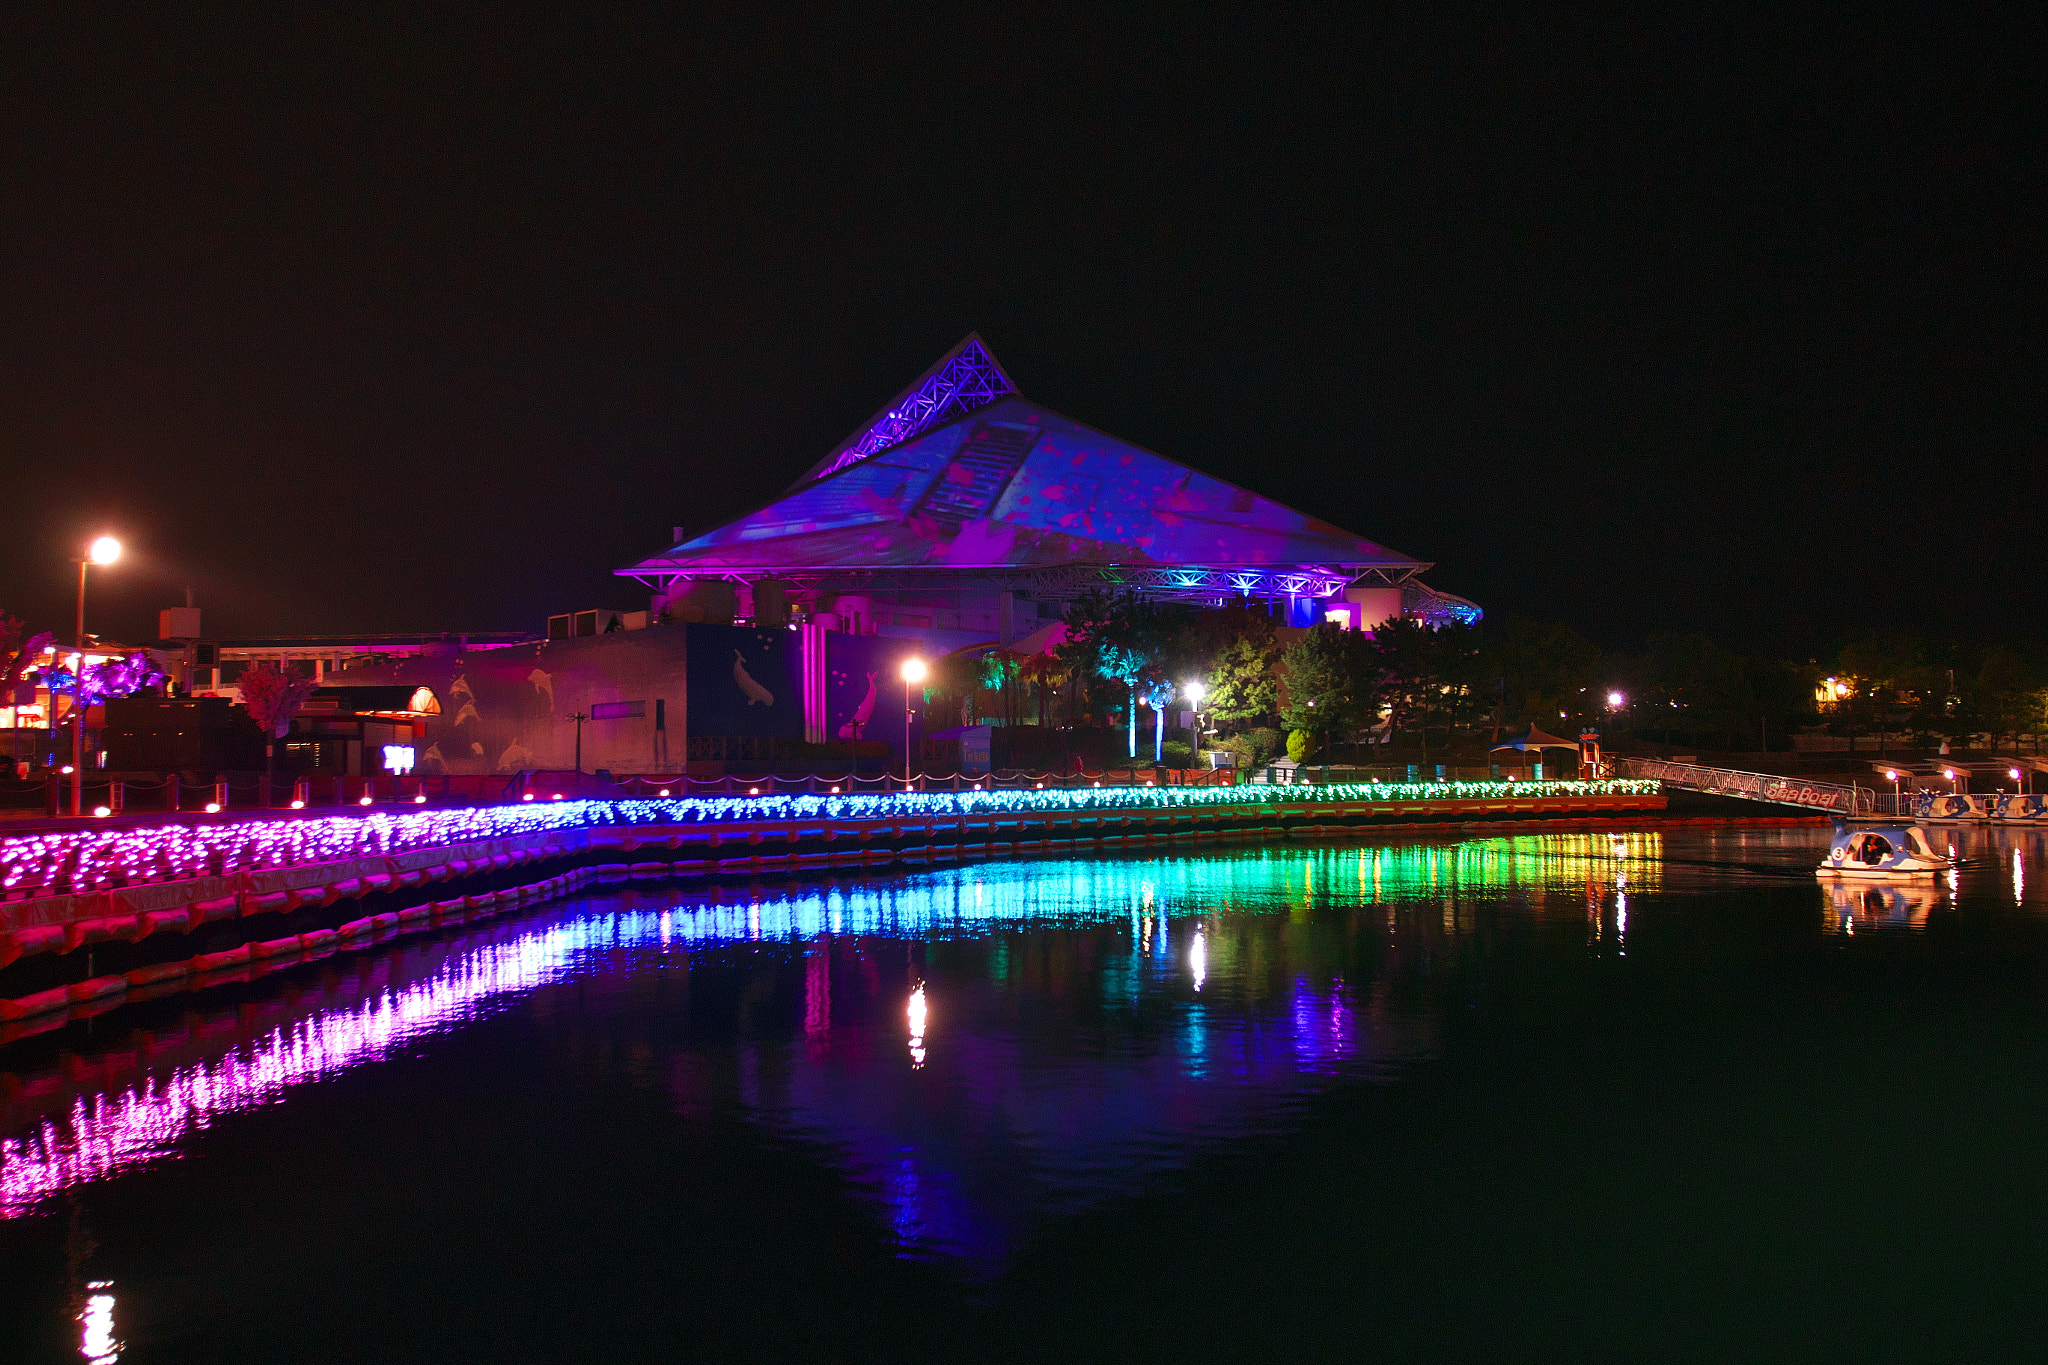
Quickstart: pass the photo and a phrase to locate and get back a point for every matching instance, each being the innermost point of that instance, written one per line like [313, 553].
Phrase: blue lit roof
[962, 380]
[1014, 485]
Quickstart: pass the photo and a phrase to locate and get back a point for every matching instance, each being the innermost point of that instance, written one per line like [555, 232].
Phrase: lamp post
[913, 672]
[1892, 774]
[103, 551]
[1196, 692]
[579, 717]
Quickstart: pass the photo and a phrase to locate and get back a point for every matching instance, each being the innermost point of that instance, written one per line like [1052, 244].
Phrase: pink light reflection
[116, 1133]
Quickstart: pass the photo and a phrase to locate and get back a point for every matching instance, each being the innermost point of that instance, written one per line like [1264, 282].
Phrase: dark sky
[429, 319]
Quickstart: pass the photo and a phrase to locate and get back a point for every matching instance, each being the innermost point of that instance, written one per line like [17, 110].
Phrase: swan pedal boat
[1883, 851]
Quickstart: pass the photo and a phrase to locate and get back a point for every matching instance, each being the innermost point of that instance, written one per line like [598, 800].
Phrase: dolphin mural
[862, 714]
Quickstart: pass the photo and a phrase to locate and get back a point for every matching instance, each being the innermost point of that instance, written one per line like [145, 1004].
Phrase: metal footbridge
[1775, 788]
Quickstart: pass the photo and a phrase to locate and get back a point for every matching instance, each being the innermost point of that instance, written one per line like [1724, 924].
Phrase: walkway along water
[97, 916]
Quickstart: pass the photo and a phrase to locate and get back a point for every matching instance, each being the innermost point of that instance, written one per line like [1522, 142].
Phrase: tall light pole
[913, 672]
[1195, 691]
[103, 552]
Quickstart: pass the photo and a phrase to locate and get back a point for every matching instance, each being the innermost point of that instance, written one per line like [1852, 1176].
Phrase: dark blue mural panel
[864, 689]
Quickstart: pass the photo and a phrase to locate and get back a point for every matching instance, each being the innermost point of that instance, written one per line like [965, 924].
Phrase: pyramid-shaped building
[965, 507]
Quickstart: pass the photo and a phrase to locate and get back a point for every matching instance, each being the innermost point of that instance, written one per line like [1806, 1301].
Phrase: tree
[272, 698]
[16, 653]
[1123, 637]
[1405, 654]
[1334, 683]
[1535, 669]
[1243, 687]
[1888, 677]
[112, 678]
[2003, 698]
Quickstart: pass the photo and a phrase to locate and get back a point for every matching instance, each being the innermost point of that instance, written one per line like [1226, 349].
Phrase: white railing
[1772, 787]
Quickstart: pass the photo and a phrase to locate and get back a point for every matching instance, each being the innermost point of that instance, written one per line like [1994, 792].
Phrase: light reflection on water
[1059, 1032]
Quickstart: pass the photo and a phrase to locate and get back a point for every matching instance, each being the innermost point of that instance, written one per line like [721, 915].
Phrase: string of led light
[98, 859]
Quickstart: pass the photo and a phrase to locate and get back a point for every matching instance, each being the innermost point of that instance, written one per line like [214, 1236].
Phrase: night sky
[429, 319]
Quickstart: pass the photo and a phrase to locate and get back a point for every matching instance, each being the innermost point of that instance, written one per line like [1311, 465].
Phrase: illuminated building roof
[962, 380]
[983, 483]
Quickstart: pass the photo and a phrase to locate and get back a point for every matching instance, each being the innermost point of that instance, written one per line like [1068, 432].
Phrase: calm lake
[1645, 1095]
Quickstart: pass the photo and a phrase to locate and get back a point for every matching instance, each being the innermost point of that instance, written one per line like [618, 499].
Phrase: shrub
[1301, 746]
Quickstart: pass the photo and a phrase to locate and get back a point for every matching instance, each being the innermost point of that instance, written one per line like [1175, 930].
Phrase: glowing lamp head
[102, 810]
[753, 791]
[556, 797]
[365, 801]
[1891, 775]
[664, 790]
[2013, 773]
[1949, 773]
[526, 796]
[105, 550]
[835, 791]
[420, 800]
[1617, 700]
[1195, 693]
[213, 808]
[298, 805]
[914, 670]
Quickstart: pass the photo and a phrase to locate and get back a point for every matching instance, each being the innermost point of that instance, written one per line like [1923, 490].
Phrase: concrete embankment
[65, 955]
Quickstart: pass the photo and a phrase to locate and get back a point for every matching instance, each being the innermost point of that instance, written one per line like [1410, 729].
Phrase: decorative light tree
[1158, 695]
[17, 654]
[272, 698]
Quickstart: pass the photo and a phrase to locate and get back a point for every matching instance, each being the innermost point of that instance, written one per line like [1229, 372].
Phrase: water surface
[1656, 1093]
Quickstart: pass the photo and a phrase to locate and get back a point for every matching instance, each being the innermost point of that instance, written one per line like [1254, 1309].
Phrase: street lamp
[1195, 692]
[1892, 776]
[102, 552]
[1616, 700]
[913, 672]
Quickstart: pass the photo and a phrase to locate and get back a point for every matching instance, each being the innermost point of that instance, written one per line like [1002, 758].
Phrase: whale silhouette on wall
[754, 691]
[862, 714]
